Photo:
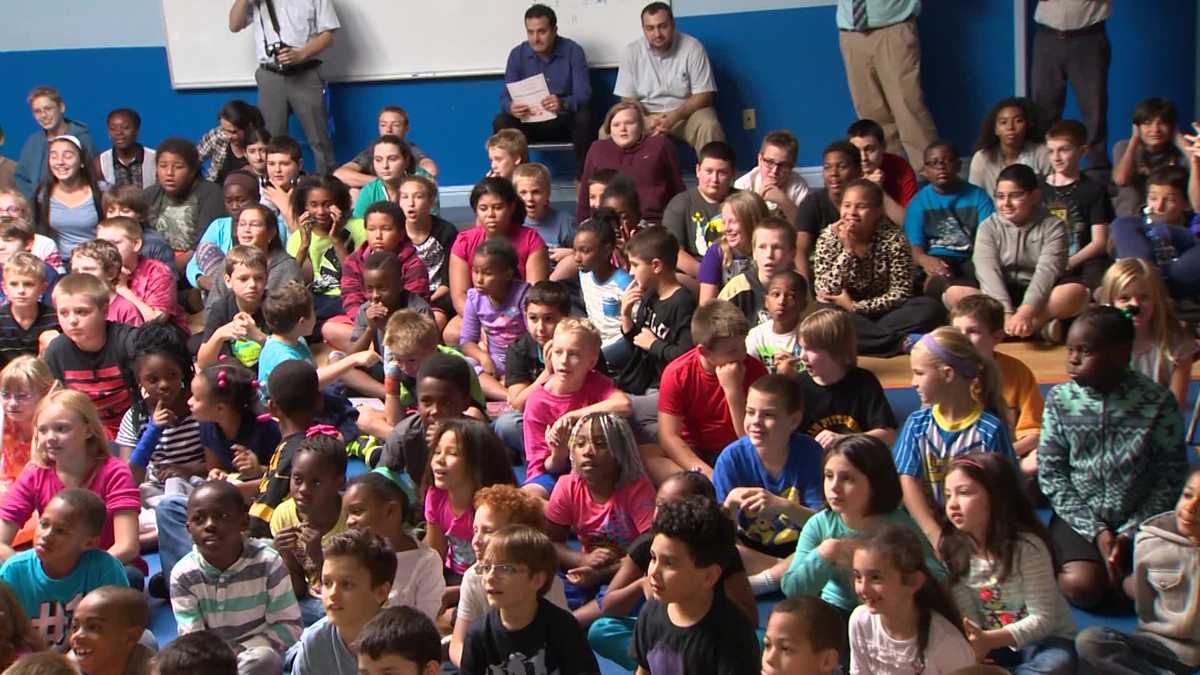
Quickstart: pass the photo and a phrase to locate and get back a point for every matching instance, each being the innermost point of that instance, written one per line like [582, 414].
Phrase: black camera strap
[274, 18]
[274, 24]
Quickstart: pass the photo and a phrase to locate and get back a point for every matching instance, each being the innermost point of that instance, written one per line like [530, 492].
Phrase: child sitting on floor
[106, 631]
[102, 260]
[494, 310]
[805, 636]
[775, 341]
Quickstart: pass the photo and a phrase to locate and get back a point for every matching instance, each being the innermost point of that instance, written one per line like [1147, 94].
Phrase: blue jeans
[617, 354]
[174, 542]
[1049, 656]
[1182, 275]
[311, 610]
[509, 426]
[1111, 652]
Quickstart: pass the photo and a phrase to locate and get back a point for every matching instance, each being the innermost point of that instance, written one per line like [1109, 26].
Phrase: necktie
[858, 14]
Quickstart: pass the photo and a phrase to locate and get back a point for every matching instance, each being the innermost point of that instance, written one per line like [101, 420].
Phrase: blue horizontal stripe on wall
[784, 63]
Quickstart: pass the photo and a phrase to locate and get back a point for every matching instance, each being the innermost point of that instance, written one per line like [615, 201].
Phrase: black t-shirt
[221, 312]
[854, 404]
[723, 642]
[1080, 205]
[671, 321]
[104, 375]
[15, 340]
[816, 212]
[552, 643]
[692, 220]
[405, 447]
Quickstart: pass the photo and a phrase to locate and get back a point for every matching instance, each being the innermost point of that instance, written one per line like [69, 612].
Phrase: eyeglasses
[18, 396]
[775, 166]
[499, 569]
[12, 210]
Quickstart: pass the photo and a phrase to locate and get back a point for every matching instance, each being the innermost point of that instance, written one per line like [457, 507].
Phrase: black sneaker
[158, 587]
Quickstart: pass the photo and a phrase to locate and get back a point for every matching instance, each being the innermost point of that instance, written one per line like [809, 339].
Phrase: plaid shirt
[214, 147]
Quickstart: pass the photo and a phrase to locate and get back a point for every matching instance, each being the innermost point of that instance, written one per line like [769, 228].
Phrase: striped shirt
[15, 340]
[251, 604]
[928, 442]
[178, 444]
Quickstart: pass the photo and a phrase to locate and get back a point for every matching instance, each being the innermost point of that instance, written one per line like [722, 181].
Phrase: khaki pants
[883, 69]
[698, 130]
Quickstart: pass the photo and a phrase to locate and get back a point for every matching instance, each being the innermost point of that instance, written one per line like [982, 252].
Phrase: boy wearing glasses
[940, 222]
[776, 178]
[523, 632]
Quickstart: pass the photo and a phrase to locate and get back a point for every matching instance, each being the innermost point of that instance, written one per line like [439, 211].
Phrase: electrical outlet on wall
[749, 118]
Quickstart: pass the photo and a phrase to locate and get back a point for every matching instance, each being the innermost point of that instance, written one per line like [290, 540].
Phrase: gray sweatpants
[304, 94]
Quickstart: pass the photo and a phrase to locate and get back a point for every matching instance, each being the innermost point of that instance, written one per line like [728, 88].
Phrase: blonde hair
[523, 545]
[78, 403]
[749, 209]
[1164, 325]
[986, 386]
[625, 105]
[47, 91]
[579, 326]
[534, 171]
[105, 254]
[511, 141]
[42, 663]
[128, 226]
[831, 330]
[21, 201]
[85, 285]
[407, 329]
[25, 264]
[430, 186]
[29, 373]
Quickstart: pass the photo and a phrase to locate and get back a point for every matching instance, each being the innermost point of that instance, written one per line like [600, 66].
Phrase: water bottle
[1159, 235]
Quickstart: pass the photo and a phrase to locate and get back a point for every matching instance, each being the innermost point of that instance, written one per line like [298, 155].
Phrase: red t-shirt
[690, 392]
[899, 179]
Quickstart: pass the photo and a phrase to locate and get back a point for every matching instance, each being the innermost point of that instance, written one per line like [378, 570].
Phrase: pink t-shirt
[154, 283]
[458, 529]
[525, 239]
[38, 484]
[614, 523]
[123, 311]
[542, 409]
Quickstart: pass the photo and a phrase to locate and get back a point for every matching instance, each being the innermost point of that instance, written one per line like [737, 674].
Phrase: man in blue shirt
[564, 64]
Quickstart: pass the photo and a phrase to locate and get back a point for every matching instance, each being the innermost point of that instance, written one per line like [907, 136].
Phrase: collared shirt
[299, 22]
[880, 13]
[662, 82]
[566, 72]
[131, 173]
[1071, 14]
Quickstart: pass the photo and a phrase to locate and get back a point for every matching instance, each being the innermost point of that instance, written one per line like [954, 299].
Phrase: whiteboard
[394, 39]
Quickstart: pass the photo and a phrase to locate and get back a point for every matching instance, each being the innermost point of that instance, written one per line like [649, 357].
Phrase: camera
[275, 47]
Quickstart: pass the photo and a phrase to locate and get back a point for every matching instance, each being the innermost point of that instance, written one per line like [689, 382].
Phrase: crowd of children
[601, 431]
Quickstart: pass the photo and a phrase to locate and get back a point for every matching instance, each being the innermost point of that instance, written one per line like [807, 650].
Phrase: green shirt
[327, 269]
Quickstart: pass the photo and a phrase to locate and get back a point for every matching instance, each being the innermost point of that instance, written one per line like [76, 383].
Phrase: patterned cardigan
[879, 282]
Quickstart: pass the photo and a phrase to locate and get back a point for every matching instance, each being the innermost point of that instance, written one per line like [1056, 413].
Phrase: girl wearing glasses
[23, 382]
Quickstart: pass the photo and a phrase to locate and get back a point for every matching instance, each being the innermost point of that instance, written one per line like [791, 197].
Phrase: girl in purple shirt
[496, 308]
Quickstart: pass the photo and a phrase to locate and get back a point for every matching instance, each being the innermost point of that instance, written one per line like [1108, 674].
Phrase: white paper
[532, 91]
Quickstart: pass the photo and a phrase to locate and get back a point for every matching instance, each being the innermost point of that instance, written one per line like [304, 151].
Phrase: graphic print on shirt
[616, 532]
[460, 550]
[994, 613]
[53, 622]
[1067, 210]
[664, 660]
[708, 230]
[840, 424]
[774, 530]
[519, 664]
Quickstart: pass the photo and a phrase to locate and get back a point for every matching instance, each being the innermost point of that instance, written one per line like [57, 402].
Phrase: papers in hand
[531, 91]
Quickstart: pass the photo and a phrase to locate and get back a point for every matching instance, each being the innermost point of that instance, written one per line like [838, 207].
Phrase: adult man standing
[1071, 44]
[669, 74]
[289, 36]
[564, 65]
[882, 53]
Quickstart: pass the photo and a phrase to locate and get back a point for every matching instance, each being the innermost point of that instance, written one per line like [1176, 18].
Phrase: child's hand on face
[338, 221]
[163, 415]
[731, 374]
[631, 296]
[377, 315]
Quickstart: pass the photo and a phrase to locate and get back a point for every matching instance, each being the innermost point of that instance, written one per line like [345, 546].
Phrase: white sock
[763, 583]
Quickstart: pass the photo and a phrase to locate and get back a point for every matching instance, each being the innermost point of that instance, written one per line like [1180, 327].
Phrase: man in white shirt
[289, 37]
[775, 178]
[1071, 44]
[669, 74]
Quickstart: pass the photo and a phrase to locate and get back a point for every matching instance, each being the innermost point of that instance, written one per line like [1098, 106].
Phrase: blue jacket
[35, 156]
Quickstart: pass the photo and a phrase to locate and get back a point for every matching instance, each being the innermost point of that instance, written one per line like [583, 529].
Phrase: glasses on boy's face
[499, 569]
[18, 396]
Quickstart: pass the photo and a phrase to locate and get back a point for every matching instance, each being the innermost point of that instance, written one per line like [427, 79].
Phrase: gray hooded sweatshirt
[1167, 569]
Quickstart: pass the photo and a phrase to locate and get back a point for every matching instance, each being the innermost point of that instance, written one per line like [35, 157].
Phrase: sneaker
[157, 587]
[910, 341]
[1054, 332]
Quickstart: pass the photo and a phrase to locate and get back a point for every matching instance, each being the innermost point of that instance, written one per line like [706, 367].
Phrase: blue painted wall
[785, 63]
